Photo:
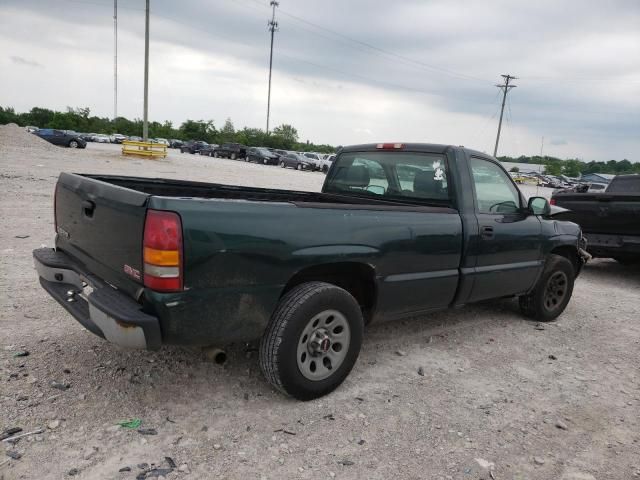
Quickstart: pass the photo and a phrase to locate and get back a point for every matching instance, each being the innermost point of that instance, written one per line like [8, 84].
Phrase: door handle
[486, 232]
[88, 207]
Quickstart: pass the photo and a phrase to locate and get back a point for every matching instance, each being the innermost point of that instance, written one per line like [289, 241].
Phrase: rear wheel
[552, 292]
[282, 165]
[265, 161]
[215, 154]
[246, 159]
[312, 341]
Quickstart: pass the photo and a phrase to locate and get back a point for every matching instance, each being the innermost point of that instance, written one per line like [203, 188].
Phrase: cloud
[24, 61]
[349, 72]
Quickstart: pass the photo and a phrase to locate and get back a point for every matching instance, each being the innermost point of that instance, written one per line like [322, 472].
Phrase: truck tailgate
[101, 225]
[617, 214]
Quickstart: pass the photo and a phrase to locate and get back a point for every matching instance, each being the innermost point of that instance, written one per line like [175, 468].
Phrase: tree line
[573, 167]
[283, 137]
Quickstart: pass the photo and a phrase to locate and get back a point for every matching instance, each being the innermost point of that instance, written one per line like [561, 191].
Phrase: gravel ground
[500, 397]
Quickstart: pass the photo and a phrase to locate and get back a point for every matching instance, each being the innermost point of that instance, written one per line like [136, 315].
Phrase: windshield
[391, 175]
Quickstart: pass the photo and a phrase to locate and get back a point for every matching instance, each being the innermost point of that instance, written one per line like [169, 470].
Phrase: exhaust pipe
[217, 355]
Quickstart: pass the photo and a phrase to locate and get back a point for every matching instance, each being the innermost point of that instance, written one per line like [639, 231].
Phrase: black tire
[299, 166]
[542, 304]
[246, 159]
[282, 165]
[265, 161]
[233, 156]
[73, 144]
[278, 347]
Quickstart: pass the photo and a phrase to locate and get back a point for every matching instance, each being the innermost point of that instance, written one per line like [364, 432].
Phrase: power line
[273, 28]
[375, 49]
[505, 87]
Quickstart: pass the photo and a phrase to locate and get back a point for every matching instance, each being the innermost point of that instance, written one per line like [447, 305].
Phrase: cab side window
[495, 192]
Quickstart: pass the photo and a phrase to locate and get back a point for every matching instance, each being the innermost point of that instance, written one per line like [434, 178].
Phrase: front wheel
[246, 159]
[312, 341]
[265, 161]
[553, 291]
[233, 156]
[73, 144]
[299, 166]
[282, 165]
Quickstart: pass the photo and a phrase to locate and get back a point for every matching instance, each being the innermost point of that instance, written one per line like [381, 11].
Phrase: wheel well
[356, 278]
[570, 254]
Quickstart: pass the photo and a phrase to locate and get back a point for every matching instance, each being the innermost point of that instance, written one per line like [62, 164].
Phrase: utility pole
[145, 126]
[505, 87]
[115, 60]
[273, 27]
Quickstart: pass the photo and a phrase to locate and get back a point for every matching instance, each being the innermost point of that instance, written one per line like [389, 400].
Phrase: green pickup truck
[398, 230]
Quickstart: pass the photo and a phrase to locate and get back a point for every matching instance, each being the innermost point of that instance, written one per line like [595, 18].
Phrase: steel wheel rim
[73, 144]
[555, 290]
[323, 345]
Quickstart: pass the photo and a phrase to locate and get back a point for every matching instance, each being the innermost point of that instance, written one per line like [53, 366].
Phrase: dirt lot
[501, 397]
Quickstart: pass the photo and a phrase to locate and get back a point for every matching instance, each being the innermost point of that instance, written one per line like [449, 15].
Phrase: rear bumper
[97, 306]
[604, 245]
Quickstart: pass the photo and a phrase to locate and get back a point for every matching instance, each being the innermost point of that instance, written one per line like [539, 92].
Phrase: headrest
[358, 176]
[425, 184]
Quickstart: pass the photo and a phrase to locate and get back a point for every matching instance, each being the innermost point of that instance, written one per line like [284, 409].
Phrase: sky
[346, 72]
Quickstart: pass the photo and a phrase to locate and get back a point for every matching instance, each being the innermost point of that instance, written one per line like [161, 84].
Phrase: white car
[117, 138]
[163, 141]
[100, 138]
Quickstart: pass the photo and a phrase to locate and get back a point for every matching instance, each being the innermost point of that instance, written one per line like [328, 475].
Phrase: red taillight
[390, 146]
[552, 201]
[162, 251]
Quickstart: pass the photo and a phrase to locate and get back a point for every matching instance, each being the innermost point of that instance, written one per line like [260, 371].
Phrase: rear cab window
[625, 184]
[412, 177]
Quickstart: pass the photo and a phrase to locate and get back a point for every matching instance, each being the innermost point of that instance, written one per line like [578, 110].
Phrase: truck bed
[606, 213]
[189, 189]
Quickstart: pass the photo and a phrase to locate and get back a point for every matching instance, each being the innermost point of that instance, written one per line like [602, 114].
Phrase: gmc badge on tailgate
[132, 272]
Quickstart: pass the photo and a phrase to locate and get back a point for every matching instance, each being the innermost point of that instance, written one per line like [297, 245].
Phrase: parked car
[117, 138]
[88, 137]
[297, 161]
[143, 262]
[162, 141]
[135, 138]
[315, 158]
[261, 155]
[61, 137]
[209, 150]
[100, 138]
[230, 150]
[193, 146]
[610, 220]
[31, 129]
[175, 143]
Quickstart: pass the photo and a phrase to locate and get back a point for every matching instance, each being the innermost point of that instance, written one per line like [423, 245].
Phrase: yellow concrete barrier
[144, 149]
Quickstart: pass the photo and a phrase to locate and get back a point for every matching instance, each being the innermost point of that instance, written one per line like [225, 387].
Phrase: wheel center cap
[319, 343]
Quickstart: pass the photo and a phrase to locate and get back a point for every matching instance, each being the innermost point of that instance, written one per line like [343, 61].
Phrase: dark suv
[230, 150]
[64, 138]
[193, 146]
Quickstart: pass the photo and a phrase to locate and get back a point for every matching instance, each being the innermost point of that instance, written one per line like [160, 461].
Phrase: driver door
[507, 242]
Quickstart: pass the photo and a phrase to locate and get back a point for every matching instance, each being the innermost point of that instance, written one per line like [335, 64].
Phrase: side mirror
[539, 206]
